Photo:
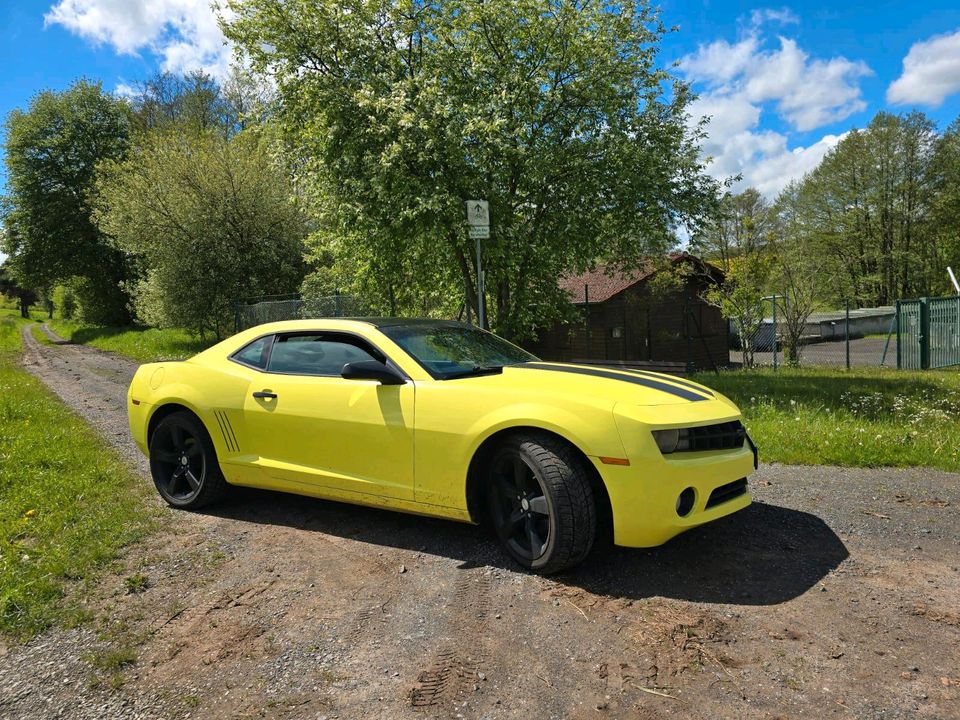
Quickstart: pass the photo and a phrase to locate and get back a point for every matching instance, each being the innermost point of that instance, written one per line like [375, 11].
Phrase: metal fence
[271, 308]
[846, 337]
[915, 334]
[928, 333]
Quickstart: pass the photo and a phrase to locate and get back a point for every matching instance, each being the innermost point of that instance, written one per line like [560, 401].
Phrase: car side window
[312, 354]
[256, 353]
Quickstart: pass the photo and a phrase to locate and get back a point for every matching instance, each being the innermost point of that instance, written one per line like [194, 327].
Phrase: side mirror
[372, 370]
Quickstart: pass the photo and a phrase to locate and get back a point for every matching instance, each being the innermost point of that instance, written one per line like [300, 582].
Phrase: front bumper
[643, 495]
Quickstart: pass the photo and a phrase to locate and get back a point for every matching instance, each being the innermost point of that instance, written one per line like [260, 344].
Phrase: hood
[636, 387]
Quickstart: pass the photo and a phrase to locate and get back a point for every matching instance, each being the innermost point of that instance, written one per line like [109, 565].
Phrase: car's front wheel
[183, 462]
[541, 502]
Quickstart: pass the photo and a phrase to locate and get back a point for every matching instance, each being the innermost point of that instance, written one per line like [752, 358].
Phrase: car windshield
[454, 350]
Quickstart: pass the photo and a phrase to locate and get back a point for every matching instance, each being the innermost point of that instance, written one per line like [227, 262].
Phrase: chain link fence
[846, 337]
[272, 308]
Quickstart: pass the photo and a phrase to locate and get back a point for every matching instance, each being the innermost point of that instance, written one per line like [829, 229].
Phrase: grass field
[145, 345]
[67, 504]
[864, 418]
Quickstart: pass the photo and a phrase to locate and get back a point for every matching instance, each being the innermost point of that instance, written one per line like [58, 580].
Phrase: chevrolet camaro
[440, 418]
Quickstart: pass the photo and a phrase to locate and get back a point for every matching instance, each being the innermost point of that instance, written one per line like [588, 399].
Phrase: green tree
[211, 220]
[741, 298]
[52, 153]
[25, 297]
[397, 111]
[870, 202]
[741, 226]
[945, 214]
[799, 276]
[736, 239]
[196, 102]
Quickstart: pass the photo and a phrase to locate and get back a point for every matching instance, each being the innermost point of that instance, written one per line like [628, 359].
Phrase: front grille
[727, 492]
[722, 436]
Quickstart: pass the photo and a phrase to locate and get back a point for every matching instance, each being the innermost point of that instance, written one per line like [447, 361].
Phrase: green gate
[928, 333]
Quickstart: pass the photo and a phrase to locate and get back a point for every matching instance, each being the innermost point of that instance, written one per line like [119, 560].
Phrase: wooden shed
[625, 317]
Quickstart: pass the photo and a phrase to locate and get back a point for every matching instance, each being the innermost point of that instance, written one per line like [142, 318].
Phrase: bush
[212, 220]
[64, 302]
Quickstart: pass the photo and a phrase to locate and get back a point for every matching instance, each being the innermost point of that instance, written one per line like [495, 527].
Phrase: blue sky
[782, 82]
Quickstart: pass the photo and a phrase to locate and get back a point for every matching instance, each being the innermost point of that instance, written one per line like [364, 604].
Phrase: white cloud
[809, 93]
[184, 33]
[777, 165]
[781, 16]
[720, 62]
[741, 81]
[729, 115]
[931, 72]
[125, 90]
[761, 157]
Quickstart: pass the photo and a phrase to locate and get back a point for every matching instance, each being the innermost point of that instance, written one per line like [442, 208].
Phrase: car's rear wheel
[541, 502]
[183, 462]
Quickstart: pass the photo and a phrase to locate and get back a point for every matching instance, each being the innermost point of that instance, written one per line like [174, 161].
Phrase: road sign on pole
[478, 218]
[478, 213]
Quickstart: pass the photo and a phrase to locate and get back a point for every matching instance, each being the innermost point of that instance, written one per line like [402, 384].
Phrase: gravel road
[835, 595]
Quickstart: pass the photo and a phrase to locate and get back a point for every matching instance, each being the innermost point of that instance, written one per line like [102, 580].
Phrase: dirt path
[837, 594]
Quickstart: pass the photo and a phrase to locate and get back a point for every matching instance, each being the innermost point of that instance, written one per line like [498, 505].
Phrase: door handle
[265, 395]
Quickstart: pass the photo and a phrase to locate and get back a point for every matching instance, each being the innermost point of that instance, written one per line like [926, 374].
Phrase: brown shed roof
[605, 281]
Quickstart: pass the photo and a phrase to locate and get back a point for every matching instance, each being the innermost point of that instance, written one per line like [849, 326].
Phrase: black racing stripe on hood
[609, 375]
[655, 376]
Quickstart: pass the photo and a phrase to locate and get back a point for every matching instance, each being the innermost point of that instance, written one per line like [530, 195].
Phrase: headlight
[672, 440]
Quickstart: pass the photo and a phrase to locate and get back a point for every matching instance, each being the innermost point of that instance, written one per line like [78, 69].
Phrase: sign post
[478, 220]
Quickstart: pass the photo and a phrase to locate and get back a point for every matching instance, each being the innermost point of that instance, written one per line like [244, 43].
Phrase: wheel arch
[475, 485]
[166, 409]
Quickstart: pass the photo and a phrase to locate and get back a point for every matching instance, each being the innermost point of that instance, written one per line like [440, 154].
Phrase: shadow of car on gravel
[762, 555]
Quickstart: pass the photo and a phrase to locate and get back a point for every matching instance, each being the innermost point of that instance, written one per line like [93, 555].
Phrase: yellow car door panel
[325, 430]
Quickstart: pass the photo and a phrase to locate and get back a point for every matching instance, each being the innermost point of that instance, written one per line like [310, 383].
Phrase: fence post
[896, 318]
[336, 302]
[774, 333]
[924, 334]
[236, 316]
[846, 333]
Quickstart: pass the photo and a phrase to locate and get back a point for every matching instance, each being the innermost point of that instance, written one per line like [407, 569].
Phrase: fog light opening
[685, 502]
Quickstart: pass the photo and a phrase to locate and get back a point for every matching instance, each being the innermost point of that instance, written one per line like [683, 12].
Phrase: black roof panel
[382, 322]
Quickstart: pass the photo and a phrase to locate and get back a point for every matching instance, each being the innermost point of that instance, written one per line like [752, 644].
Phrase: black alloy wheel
[183, 462]
[521, 513]
[541, 502]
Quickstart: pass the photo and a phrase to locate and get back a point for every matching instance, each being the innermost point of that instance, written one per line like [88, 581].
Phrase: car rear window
[256, 353]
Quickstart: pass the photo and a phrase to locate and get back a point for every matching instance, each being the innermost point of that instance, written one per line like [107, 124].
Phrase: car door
[311, 426]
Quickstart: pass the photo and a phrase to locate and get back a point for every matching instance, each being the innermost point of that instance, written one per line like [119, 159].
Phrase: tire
[541, 502]
[183, 463]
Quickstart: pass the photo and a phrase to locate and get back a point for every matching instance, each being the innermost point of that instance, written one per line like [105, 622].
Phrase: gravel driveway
[836, 594]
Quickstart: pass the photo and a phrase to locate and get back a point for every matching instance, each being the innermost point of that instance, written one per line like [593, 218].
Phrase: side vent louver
[229, 437]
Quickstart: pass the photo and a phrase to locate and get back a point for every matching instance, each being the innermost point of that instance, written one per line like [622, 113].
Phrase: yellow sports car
[441, 418]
